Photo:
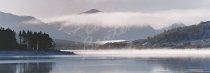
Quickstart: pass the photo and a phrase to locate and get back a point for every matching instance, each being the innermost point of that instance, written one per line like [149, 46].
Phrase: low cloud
[33, 21]
[120, 19]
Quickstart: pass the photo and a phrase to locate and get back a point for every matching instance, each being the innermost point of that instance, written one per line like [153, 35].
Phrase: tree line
[25, 40]
[7, 39]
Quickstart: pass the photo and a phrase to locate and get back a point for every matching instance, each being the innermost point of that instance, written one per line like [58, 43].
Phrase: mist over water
[146, 53]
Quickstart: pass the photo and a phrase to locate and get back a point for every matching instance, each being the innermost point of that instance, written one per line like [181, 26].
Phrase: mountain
[175, 25]
[93, 33]
[18, 23]
[66, 44]
[194, 36]
[91, 11]
[7, 19]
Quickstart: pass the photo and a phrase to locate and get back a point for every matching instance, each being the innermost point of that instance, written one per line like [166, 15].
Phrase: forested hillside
[189, 36]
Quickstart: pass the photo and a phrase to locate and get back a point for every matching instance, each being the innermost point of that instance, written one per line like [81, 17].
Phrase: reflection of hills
[184, 65]
[26, 68]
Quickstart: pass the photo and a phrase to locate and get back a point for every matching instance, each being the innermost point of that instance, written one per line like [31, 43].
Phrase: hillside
[194, 36]
[93, 33]
[17, 23]
[91, 11]
[66, 44]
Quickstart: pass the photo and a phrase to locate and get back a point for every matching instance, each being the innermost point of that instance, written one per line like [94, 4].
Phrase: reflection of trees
[184, 64]
[7, 68]
[26, 68]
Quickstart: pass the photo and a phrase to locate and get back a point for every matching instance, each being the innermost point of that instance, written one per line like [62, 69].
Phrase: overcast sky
[156, 12]
[52, 8]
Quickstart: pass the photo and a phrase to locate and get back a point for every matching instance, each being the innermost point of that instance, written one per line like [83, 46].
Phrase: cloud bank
[157, 20]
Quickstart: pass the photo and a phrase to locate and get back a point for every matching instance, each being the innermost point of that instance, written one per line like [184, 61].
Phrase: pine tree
[8, 39]
[20, 37]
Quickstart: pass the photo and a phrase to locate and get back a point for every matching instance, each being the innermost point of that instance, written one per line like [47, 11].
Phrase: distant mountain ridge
[87, 33]
[175, 25]
[10, 19]
[18, 23]
[194, 36]
[93, 33]
[91, 11]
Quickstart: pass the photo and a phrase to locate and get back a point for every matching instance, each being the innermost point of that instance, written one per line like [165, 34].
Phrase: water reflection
[134, 65]
[26, 68]
[183, 65]
[107, 65]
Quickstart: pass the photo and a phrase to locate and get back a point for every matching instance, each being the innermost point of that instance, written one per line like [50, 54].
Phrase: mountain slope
[66, 44]
[18, 23]
[175, 25]
[189, 36]
[9, 19]
[91, 11]
[92, 33]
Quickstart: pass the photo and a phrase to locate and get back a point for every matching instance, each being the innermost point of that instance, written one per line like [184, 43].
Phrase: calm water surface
[99, 64]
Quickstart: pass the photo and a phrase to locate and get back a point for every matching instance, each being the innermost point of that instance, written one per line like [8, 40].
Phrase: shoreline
[34, 53]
